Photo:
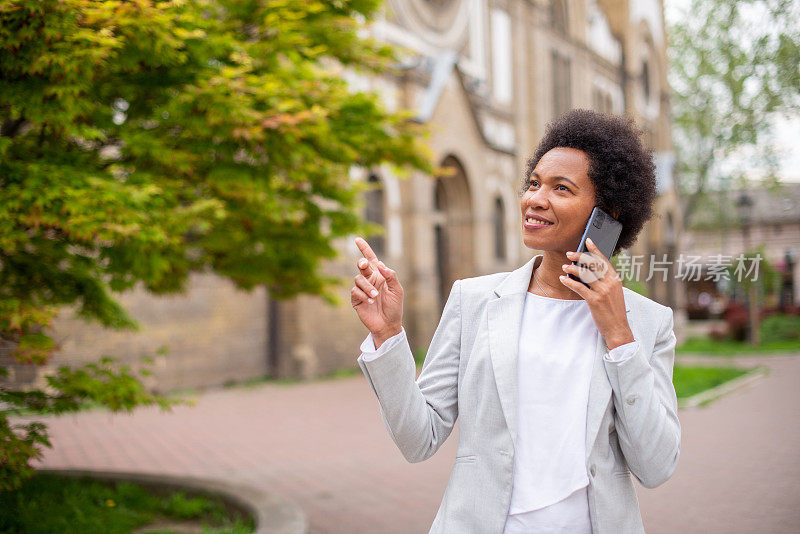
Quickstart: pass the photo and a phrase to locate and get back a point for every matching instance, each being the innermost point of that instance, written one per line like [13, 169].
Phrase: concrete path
[324, 446]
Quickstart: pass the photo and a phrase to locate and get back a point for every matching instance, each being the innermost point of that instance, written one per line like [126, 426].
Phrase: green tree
[734, 64]
[142, 140]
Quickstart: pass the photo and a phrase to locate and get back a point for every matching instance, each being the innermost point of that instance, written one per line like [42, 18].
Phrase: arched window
[646, 80]
[558, 15]
[452, 226]
[498, 220]
[562, 82]
[374, 213]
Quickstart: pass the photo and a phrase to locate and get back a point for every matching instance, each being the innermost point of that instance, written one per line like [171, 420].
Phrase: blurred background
[182, 183]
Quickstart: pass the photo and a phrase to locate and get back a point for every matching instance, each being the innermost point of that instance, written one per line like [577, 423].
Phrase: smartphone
[604, 231]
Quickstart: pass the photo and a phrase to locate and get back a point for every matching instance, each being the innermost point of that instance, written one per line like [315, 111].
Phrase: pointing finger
[366, 250]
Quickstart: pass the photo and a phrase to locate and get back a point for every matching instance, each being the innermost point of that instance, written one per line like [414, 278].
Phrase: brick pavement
[323, 445]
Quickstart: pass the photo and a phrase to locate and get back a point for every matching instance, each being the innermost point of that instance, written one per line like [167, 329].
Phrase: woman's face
[560, 192]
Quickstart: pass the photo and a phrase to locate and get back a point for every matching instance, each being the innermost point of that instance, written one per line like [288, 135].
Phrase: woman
[563, 390]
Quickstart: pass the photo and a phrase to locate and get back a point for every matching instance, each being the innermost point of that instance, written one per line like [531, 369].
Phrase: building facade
[487, 76]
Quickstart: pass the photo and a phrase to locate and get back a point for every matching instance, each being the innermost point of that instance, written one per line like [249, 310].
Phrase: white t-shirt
[557, 344]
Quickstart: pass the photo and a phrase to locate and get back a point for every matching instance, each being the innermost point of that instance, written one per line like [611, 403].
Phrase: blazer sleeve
[420, 414]
[647, 408]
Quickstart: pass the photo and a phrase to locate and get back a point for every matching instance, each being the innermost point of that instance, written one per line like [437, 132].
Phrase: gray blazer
[470, 372]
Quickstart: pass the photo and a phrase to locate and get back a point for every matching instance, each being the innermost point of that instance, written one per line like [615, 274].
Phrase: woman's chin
[537, 243]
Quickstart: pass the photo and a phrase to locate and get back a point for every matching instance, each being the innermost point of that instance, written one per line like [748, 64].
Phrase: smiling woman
[575, 168]
[563, 390]
[555, 208]
[619, 167]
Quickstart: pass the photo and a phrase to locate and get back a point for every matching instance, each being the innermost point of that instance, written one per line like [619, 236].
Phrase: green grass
[49, 503]
[705, 345]
[691, 380]
[419, 355]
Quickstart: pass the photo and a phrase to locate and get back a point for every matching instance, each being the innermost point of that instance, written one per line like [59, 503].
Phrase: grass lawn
[690, 380]
[705, 345]
[49, 503]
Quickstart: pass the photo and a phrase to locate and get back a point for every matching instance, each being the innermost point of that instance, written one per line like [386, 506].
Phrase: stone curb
[704, 356]
[273, 514]
[724, 388]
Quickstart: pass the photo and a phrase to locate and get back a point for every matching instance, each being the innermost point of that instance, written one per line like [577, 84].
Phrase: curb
[732, 359]
[272, 514]
[723, 389]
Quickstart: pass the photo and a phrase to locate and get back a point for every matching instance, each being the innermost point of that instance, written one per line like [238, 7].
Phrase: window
[646, 80]
[374, 213]
[602, 101]
[558, 15]
[501, 56]
[438, 4]
[499, 230]
[562, 97]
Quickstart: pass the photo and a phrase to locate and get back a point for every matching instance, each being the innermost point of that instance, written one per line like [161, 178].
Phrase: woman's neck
[547, 274]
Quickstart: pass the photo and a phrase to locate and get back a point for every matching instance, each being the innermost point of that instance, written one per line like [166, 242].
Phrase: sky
[788, 142]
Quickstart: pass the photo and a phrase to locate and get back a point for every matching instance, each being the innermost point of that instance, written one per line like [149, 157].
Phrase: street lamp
[744, 207]
[788, 282]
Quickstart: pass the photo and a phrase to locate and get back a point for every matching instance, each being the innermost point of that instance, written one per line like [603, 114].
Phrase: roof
[771, 205]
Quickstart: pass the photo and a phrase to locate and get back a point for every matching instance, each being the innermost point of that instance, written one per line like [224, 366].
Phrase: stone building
[487, 76]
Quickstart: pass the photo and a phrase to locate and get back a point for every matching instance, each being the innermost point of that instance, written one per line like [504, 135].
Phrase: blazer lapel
[505, 320]
[599, 389]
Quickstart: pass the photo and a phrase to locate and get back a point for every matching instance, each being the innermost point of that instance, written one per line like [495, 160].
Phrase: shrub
[780, 327]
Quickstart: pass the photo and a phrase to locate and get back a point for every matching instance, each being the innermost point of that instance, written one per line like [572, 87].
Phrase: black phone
[604, 231]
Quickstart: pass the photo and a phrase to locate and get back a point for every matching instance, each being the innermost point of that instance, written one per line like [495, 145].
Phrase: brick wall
[213, 334]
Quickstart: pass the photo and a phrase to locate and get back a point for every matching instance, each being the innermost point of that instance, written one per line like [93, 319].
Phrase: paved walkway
[323, 445]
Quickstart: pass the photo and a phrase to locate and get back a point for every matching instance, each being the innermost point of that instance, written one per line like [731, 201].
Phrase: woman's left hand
[604, 296]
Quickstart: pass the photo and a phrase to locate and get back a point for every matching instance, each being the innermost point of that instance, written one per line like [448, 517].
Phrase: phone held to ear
[604, 230]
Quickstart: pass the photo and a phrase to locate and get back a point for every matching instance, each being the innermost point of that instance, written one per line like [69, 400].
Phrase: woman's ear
[615, 214]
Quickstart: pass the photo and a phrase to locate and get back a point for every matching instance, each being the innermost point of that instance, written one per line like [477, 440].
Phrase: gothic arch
[453, 227]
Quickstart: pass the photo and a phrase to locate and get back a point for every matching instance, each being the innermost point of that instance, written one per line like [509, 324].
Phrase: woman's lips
[535, 224]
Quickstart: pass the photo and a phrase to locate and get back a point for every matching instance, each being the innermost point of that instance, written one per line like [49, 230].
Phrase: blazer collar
[505, 322]
[519, 280]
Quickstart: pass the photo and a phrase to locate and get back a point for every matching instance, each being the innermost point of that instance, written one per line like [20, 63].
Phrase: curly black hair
[620, 167]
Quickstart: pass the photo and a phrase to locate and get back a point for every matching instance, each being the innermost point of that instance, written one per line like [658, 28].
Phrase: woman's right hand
[377, 296]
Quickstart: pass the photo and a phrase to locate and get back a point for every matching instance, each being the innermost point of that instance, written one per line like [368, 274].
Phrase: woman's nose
[538, 199]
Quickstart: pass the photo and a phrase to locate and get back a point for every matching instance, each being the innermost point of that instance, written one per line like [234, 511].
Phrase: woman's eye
[564, 186]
